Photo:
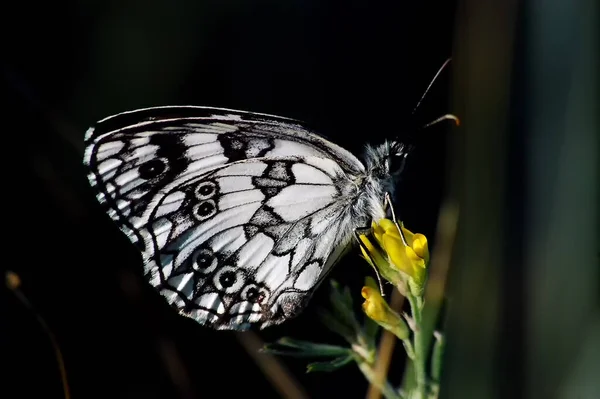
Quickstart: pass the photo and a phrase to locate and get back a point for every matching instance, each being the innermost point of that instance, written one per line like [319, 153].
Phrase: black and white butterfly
[239, 216]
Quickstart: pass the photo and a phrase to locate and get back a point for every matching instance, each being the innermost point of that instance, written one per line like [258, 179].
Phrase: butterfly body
[239, 216]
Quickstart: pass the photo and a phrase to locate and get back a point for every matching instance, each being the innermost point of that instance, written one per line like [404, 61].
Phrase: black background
[354, 70]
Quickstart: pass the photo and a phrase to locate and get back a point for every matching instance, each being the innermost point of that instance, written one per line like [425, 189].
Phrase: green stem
[385, 387]
[408, 347]
[436, 357]
[436, 364]
[419, 347]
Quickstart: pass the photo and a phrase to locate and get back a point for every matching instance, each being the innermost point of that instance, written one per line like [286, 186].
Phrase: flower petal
[396, 251]
[373, 254]
[373, 304]
[379, 311]
[420, 247]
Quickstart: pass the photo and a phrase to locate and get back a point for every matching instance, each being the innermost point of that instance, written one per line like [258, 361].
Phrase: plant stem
[385, 387]
[419, 347]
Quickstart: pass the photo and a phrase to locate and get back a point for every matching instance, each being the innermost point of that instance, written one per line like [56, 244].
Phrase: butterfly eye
[397, 162]
[205, 262]
[205, 210]
[205, 190]
[151, 169]
[228, 280]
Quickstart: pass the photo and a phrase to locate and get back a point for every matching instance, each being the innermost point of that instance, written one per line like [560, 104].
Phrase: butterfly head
[388, 159]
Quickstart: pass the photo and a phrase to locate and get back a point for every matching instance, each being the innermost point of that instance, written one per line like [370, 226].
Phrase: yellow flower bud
[420, 247]
[373, 305]
[373, 254]
[382, 264]
[379, 311]
[407, 253]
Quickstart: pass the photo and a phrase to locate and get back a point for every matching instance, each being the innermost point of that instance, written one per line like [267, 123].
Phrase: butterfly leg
[388, 202]
[362, 231]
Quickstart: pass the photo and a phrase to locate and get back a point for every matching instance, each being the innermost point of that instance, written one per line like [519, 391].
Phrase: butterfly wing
[134, 155]
[238, 216]
[248, 242]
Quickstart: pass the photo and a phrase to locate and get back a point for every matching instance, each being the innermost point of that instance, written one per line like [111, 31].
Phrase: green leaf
[331, 365]
[437, 355]
[336, 325]
[341, 301]
[370, 328]
[297, 348]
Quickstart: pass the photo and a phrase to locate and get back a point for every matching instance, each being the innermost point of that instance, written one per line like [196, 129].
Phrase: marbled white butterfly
[239, 216]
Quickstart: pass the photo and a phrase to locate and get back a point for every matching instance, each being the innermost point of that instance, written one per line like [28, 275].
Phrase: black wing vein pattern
[239, 216]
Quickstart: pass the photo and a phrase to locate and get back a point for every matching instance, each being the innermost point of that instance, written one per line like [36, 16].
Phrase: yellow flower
[381, 261]
[379, 311]
[407, 253]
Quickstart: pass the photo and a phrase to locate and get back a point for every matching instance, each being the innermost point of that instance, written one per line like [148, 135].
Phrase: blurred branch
[271, 367]
[562, 197]
[440, 263]
[166, 349]
[477, 305]
[13, 283]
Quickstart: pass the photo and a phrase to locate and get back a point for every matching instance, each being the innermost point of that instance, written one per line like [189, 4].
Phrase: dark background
[354, 70]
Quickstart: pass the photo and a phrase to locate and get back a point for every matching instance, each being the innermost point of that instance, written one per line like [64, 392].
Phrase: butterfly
[239, 216]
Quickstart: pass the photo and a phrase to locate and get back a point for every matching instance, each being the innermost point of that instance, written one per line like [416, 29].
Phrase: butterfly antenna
[431, 84]
[443, 118]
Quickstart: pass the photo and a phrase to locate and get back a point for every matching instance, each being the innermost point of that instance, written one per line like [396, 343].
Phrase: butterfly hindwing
[239, 216]
[248, 242]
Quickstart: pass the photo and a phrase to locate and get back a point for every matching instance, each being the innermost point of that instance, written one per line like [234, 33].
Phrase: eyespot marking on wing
[229, 207]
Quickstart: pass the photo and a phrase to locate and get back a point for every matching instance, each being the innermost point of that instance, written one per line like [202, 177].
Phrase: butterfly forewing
[238, 215]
